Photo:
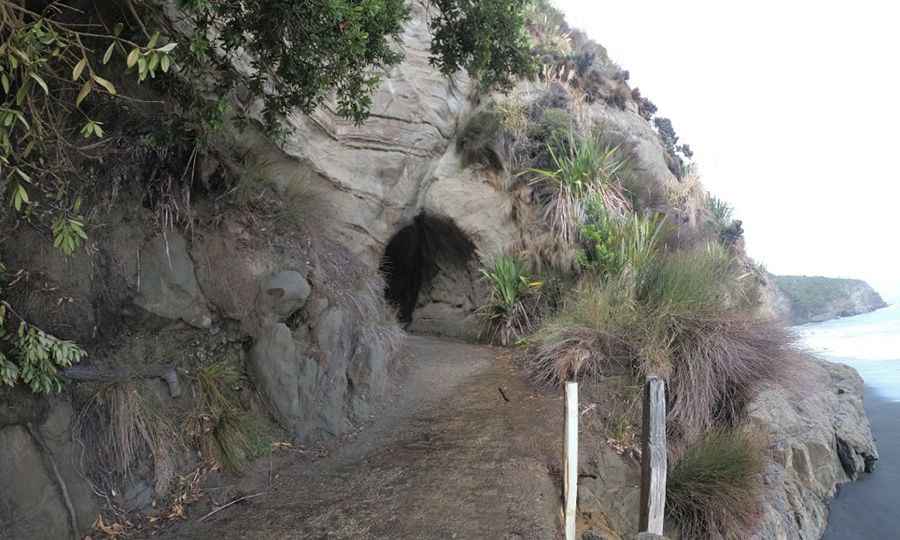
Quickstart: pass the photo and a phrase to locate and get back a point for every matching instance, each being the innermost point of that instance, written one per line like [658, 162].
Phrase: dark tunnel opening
[416, 255]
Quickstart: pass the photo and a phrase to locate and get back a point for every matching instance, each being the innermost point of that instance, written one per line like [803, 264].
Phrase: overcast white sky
[792, 108]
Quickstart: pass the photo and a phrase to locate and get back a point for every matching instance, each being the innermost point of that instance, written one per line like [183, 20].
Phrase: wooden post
[653, 457]
[571, 458]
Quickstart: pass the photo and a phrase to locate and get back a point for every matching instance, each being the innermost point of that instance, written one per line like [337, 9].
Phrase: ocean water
[870, 343]
[867, 509]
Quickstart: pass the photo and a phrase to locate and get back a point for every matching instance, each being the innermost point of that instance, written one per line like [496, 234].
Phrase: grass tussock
[220, 428]
[713, 490]
[509, 313]
[125, 423]
[590, 336]
[676, 314]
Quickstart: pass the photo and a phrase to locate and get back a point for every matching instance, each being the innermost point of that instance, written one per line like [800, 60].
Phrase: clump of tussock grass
[713, 490]
[510, 312]
[673, 314]
[590, 336]
[718, 363]
[125, 423]
[586, 170]
[221, 429]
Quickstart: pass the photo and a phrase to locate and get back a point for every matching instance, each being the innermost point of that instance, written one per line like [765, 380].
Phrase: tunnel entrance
[431, 276]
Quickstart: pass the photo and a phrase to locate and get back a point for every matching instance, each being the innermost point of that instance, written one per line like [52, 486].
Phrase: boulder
[33, 501]
[283, 293]
[366, 377]
[168, 286]
[275, 361]
[820, 438]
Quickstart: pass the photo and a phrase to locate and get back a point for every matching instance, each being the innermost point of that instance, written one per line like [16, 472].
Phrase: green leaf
[21, 118]
[79, 68]
[167, 48]
[142, 66]
[153, 40]
[165, 62]
[85, 90]
[154, 61]
[22, 93]
[105, 84]
[40, 82]
[5, 80]
[108, 54]
[133, 57]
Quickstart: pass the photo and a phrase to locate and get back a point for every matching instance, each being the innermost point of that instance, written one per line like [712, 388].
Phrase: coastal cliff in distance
[817, 299]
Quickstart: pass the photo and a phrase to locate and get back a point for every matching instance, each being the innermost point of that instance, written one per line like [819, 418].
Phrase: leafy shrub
[486, 38]
[30, 355]
[478, 141]
[507, 312]
[720, 212]
[586, 170]
[677, 153]
[50, 80]
[714, 489]
[722, 222]
[618, 245]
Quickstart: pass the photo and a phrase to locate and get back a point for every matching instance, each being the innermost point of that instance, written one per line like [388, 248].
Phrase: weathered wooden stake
[571, 457]
[653, 457]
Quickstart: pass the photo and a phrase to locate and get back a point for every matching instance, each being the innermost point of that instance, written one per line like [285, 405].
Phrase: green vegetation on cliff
[814, 298]
[655, 282]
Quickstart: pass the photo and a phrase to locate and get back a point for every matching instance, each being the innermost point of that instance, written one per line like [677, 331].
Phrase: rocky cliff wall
[820, 438]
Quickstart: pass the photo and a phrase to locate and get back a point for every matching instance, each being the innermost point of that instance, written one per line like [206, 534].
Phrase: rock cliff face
[820, 438]
[817, 299]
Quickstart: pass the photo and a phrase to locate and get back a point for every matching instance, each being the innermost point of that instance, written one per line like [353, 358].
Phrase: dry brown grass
[590, 336]
[125, 424]
[677, 318]
[719, 363]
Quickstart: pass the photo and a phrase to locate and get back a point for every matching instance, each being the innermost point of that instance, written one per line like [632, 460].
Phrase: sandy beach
[868, 509]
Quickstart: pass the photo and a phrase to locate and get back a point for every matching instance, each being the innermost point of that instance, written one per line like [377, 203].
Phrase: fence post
[571, 457]
[653, 457]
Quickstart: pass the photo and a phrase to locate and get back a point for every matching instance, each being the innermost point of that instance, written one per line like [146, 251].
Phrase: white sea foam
[870, 343]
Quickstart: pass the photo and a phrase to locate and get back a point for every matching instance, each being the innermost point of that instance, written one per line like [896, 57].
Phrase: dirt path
[449, 458]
